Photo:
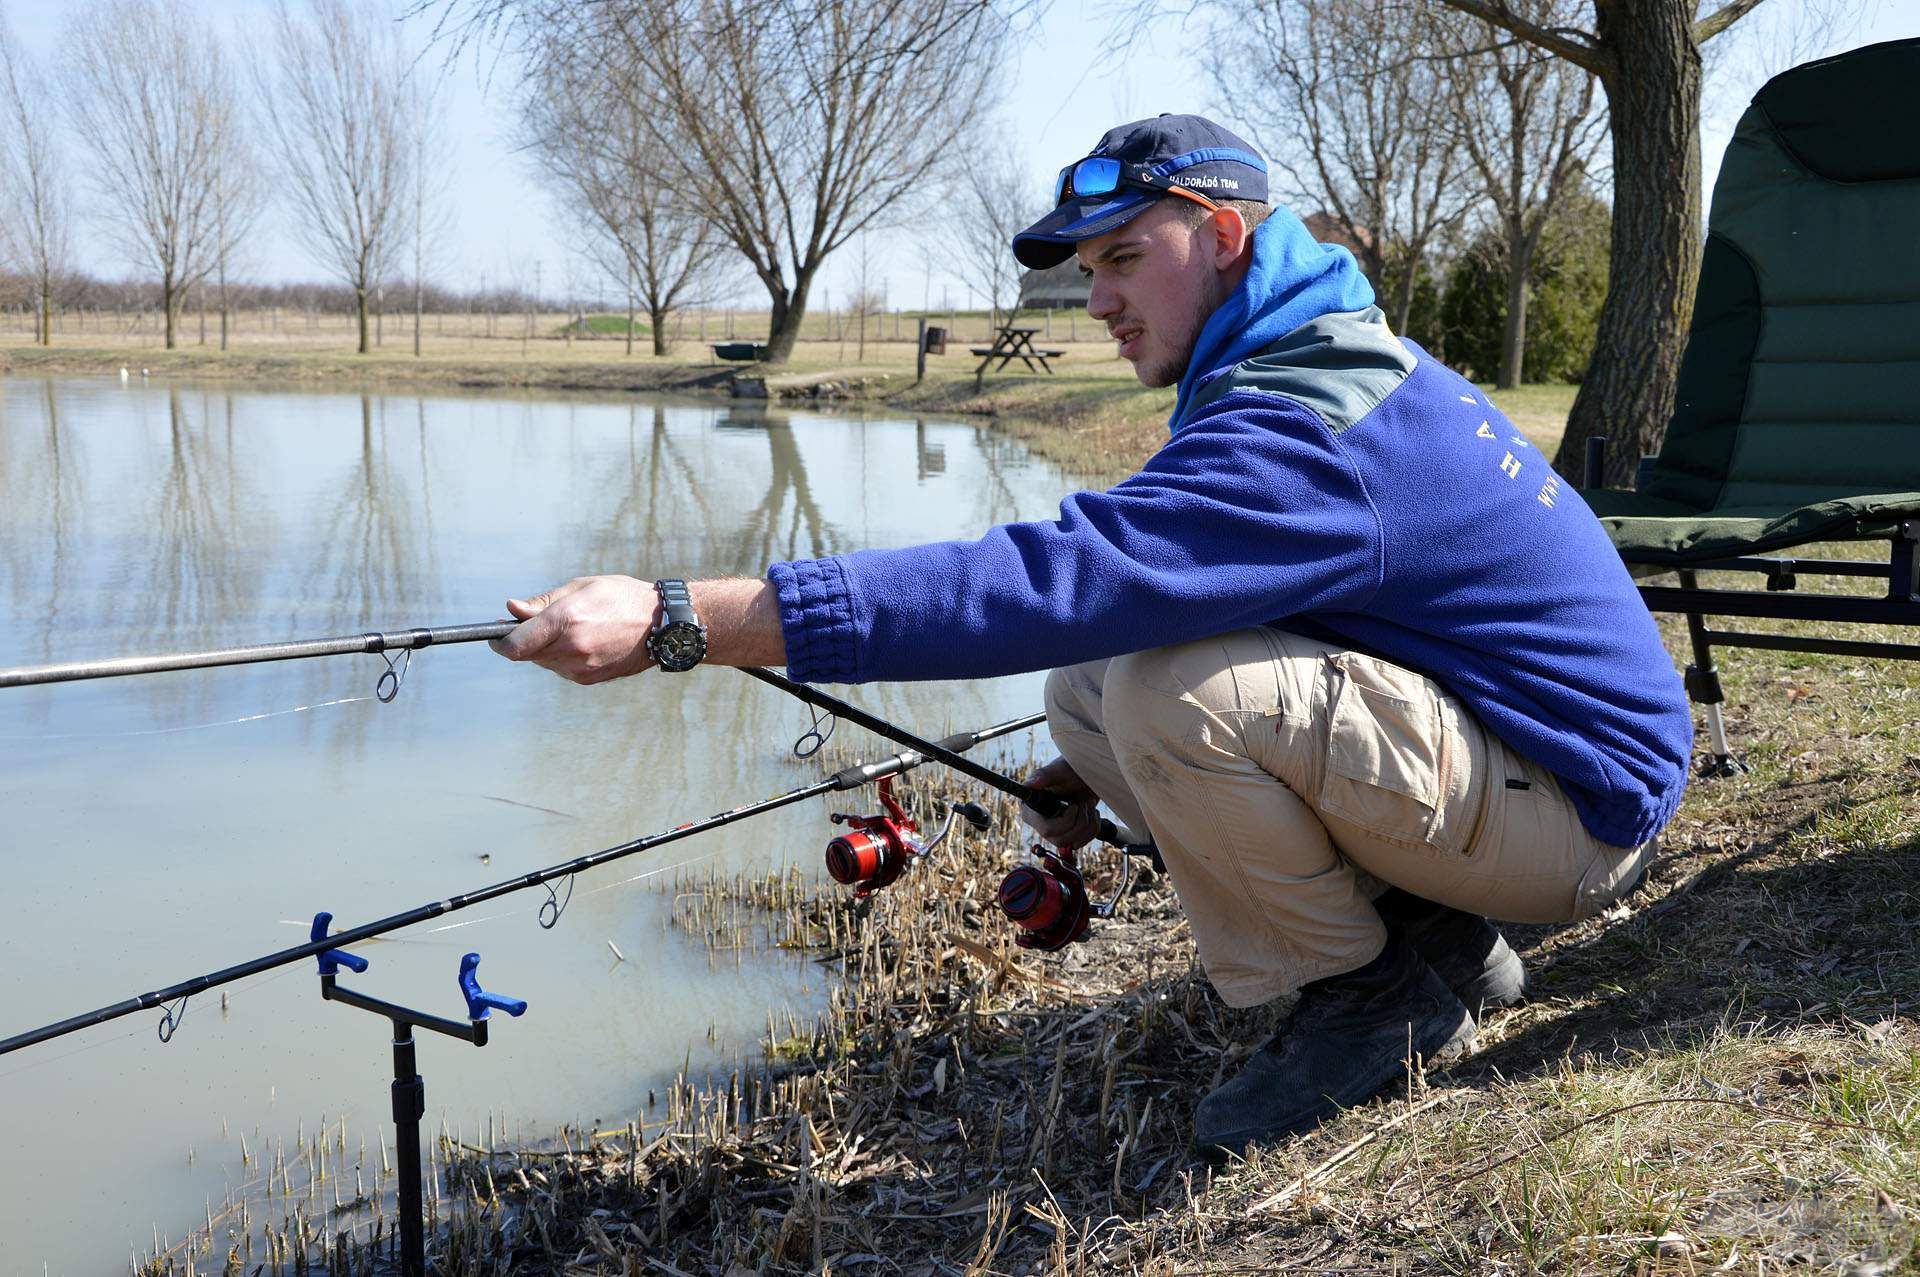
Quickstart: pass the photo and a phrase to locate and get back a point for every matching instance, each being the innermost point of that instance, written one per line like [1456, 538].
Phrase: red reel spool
[874, 851]
[1048, 902]
[864, 859]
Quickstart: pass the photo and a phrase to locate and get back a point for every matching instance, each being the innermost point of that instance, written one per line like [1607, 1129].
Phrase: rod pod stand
[409, 1089]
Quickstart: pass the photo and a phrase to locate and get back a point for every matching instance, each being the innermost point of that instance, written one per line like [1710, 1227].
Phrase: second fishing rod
[322, 943]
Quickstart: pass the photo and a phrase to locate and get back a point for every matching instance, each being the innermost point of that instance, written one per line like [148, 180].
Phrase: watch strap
[676, 600]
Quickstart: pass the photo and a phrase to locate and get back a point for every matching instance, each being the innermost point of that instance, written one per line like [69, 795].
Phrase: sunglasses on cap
[1103, 175]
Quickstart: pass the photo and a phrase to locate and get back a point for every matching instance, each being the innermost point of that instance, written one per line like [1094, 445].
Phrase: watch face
[679, 646]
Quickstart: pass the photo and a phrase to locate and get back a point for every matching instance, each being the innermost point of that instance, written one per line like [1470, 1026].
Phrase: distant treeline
[79, 292]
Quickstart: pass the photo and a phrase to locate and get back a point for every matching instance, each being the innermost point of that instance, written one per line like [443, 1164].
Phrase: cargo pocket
[1387, 748]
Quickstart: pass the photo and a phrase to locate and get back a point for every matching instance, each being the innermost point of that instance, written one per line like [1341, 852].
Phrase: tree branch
[1722, 18]
[1578, 47]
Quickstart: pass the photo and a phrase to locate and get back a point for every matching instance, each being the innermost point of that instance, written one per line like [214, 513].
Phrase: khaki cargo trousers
[1287, 782]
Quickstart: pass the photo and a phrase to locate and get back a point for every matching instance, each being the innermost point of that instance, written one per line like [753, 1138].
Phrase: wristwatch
[679, 641]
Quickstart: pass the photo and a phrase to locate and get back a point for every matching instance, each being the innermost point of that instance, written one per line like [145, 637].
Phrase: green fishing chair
[1798, 416]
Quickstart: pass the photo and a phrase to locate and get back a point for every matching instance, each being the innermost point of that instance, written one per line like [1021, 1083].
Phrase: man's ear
[1230, 236]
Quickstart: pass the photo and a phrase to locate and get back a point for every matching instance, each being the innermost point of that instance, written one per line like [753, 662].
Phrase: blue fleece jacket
[1327, 478]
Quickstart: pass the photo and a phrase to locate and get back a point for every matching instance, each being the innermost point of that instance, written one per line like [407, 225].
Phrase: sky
[1065, 89]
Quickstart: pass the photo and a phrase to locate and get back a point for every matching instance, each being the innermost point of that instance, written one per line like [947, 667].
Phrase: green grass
[608, 326]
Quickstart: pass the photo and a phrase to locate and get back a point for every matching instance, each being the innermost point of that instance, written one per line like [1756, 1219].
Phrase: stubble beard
[1169, 371]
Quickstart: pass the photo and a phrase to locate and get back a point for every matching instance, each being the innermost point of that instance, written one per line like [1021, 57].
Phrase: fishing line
[234, 994]
[189, 727]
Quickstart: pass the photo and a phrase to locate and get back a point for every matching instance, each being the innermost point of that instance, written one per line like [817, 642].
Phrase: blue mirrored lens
[1099, 175]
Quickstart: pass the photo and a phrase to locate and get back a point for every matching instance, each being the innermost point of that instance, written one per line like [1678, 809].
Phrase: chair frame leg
[1703, 689]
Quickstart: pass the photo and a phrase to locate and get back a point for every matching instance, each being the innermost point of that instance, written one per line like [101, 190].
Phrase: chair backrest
[1801, 380]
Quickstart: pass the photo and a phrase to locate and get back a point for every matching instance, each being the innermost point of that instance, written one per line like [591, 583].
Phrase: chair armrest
[1596, 468]
[1596, 465]
[1644, 471]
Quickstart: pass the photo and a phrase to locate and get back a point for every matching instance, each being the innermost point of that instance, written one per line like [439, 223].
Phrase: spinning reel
[876, 849]
[1049, 900]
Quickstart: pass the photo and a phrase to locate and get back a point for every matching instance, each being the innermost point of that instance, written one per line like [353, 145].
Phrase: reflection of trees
[205, 568]
[758, 539]
[40, 486]
[370, 565]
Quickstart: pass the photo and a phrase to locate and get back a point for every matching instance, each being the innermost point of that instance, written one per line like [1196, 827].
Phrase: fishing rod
[321, 944]
[408, 641]
[377, 643]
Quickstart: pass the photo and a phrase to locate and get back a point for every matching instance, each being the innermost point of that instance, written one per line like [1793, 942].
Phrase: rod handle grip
[479, 1001]
[333, 959]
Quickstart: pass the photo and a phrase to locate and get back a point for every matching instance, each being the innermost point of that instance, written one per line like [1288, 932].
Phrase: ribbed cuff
[816, 618]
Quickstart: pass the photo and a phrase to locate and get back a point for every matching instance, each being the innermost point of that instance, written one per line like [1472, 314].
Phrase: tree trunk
[360, 305]
[1513, 338]
[657, 316]
[656, 330]
[1653, 96]
[1403, 296]
[168, 303]
[46, 310]
[419, 309]
[789, 310]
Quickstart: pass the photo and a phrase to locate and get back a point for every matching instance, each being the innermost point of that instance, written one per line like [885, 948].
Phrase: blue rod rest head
[478, 999]
[333, 959]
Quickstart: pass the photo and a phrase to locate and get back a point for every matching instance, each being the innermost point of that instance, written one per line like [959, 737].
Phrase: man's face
[1155, 282]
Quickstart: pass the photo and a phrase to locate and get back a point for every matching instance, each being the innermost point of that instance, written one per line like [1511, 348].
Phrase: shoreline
[1097, 427]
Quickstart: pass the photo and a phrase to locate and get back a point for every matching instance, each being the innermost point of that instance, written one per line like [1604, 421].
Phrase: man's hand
[1079, 823]
[591, 629]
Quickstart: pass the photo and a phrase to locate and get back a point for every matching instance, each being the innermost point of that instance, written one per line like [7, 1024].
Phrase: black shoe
[1464, 950]
[1346, 1042]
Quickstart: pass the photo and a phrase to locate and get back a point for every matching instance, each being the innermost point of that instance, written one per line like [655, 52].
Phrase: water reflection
[203, 526]
[184, 821]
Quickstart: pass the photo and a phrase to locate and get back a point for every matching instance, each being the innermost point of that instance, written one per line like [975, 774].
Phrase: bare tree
[1647, 56]
[35, 209]
[590, 133]
[794, 125]
[153, 102]
[238, 200]
[426, 184]
[341, 106]
[1527, 123]
[992, 203]
[1342, 94]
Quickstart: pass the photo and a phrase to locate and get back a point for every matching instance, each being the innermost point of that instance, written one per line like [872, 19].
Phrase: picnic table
[1011, 343]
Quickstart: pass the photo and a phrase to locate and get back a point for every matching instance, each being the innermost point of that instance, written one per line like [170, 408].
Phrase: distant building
[1060, 287]
[1063, 287]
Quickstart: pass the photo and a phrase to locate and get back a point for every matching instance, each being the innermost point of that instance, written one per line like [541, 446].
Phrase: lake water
[158, 827]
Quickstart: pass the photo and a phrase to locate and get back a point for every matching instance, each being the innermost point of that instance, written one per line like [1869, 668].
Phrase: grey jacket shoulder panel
[1341, 365]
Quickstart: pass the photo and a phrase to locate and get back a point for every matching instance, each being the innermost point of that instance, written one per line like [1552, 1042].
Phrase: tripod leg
[409, 1106]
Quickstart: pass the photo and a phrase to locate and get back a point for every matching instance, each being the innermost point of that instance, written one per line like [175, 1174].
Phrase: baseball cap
[1189, 151]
